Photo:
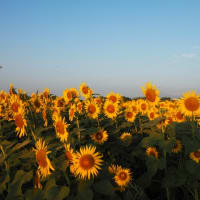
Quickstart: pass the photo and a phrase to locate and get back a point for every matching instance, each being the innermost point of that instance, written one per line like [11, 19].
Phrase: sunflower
[151, 151]
[178, 146]
[14, 104]
[20, 123]
[100, 137]
[42, 158]
[151, 93]
[130, 115]
[126, 136]
[195, 156]
[143, 106]
[113, 97]
[87, 163]
[152, 113]
[92, 109]
[110, 109]
[85, 90]
[67, 94]
[72, 111]
[60, 127]
[190, 103]
[122, 177]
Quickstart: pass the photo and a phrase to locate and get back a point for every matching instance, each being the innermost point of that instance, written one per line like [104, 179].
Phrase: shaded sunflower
[59, 102]
[87, 163]
[92, 109]
[36, 102]
[122, 177]
[61, 128]
[100, 137]
[151, 151]
[110, 109]
[42, 158]
[189, 104]
[178, 146]
[74, 92]
[195, 156]
[151, 93]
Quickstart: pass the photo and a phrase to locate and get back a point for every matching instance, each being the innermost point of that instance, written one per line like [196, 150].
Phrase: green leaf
[85, 194]
[34, 194]
[104, 187]
[14, 189]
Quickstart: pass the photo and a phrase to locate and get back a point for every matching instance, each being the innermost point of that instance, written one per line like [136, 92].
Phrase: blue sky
[111, 45]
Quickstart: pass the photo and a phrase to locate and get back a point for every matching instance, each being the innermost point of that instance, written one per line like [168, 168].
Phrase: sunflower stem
[79, 133]
[196, 195]
[4, 155]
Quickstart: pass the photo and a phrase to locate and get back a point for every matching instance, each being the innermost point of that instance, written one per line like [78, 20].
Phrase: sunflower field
[83, 146]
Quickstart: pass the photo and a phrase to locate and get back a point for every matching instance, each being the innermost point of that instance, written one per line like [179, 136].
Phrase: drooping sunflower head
[72, 111]
[20, 122]
[42, 159]
[151, 93]
[122, 177]
[151, 151]
[178, 147]
[69, 153]
[190, 103]
[195, 156]
[100, 137]
[79, 107]
[113, 168]
[85, 90]
[61, 128]
[92, 109]
[87, 162]
[111, 110]
[46, 93]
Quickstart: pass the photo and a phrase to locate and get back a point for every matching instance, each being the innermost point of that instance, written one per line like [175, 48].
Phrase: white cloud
[196, 47]
[188, 55]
